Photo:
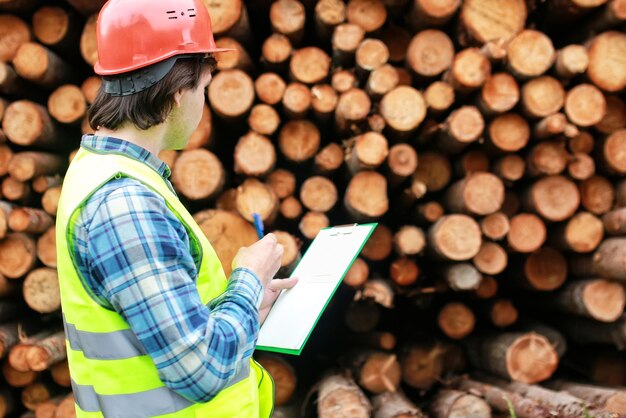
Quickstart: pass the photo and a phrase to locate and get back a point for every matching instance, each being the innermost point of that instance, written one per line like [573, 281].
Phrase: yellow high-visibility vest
[112, 376]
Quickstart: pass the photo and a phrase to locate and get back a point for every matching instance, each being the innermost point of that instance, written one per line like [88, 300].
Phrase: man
[154, 328]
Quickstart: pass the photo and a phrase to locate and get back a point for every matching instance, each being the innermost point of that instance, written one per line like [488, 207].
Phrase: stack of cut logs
[487, 138]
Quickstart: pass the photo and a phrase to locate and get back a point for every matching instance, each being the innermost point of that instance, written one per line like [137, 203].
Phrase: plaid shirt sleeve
[140, 263]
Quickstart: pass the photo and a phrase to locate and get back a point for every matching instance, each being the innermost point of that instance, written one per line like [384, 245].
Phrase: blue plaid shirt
[135, 257]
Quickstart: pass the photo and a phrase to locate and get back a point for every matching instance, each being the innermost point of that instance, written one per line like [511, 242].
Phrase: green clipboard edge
[298, 352]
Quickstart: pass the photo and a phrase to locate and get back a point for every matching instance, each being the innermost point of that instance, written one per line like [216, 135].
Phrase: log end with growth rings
[254, 155]
[531, 359]
[456, 237]
[366, 195]
[227, 232]
[494, 19]
[604, 300]
[527, 233]
[530, 53]
[430, 53]
[509, 132]
[615, 151]
[311, 224]
[381, 373]
[456, 320]
[556, 198]
[584, 232]
[607, 68]
[198, 174]
[545, 269]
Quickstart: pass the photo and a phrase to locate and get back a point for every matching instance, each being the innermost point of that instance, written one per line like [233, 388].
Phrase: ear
[178, 97]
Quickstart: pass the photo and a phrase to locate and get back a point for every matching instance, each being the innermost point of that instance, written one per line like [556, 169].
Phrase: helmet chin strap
[142, 79]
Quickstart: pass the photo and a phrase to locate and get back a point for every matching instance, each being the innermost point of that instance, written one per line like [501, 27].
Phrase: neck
[152, 139]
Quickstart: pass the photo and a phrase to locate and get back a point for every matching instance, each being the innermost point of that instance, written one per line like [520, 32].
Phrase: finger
[281, 284]
[270, 238]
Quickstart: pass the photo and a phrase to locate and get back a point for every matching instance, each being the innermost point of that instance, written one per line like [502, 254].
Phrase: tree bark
[455, 404]
[29, 164]
[523, 357]
[41, 355]
[497, 398]
[41, 66]
[30, 220]
[394, 405]
[339, 397]
[610, 399]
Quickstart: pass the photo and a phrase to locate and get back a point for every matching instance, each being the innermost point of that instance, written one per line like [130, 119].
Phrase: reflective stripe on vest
[112, 376]
[154, 402]
[116, 345]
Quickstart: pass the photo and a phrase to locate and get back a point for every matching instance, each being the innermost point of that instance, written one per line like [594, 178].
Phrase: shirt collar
[109, 144]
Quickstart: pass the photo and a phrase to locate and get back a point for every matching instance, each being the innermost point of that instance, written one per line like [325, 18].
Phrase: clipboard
[296, 312]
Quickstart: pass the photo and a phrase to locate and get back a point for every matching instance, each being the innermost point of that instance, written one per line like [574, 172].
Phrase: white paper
[296, 310]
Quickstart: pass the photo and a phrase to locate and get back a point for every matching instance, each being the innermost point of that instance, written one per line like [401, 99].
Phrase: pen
[258, 224]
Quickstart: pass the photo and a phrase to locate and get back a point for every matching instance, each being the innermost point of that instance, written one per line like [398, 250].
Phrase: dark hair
[153, 105]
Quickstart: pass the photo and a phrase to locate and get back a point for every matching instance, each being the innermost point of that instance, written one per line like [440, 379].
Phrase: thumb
[281, 284]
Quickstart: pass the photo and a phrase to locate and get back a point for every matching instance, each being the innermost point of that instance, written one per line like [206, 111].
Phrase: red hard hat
[134, 34]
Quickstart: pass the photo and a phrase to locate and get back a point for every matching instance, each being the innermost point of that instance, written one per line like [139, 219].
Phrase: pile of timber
[487, 138]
